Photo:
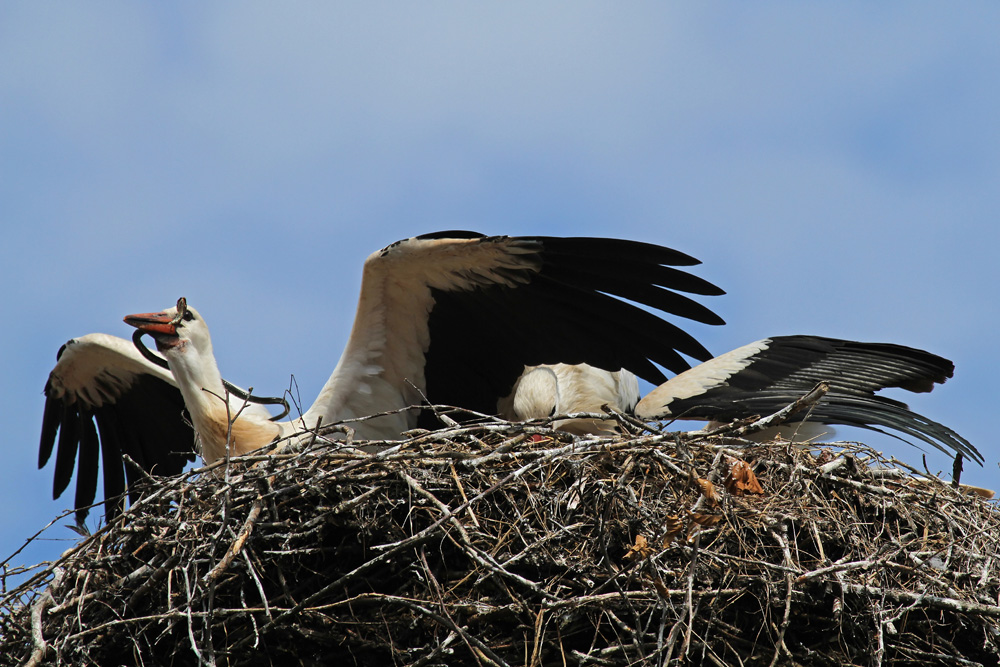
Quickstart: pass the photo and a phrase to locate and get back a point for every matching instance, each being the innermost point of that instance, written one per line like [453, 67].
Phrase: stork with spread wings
[452, 318]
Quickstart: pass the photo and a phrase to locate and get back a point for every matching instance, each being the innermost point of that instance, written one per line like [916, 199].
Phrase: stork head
[177, 331]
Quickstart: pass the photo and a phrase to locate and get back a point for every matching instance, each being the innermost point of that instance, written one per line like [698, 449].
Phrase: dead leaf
[705, 519]
[741, 480]
[661, 587]
[674, 526]
[708, 490]
[640, 549]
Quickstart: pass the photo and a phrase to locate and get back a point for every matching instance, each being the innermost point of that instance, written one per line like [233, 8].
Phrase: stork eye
[188, 316]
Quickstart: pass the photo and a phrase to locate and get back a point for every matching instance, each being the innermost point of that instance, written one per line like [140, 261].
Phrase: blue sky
[835, 166]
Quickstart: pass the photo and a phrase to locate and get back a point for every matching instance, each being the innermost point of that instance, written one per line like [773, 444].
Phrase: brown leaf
[705, 519]
[640, 549]
[708, 490]
[661, 587]
[674, 526]
[741, 480]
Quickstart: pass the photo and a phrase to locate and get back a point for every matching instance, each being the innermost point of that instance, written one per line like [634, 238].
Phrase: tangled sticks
[512, 544]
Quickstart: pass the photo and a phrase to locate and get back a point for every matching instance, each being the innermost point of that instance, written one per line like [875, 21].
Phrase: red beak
[153, 323]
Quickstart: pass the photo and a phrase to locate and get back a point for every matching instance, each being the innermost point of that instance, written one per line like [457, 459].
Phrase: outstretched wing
[103, 400]
[762, 377]
[456, 316]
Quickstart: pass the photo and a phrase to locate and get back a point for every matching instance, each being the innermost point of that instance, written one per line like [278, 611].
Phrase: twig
[237, 545]
[41, 646]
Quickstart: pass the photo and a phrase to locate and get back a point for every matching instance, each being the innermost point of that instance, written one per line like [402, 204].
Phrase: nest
[513, 544]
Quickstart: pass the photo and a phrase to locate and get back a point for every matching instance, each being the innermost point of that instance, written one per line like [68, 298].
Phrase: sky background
[836, 167]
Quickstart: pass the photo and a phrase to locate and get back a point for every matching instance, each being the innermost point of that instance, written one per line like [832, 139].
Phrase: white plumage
[559, 389]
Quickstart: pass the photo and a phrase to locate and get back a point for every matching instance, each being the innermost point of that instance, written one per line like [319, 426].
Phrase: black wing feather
[87, 468]
[111, 462]
[791, 365]
[51, 418]
[565, 308]
[146, 422]
[69, 439]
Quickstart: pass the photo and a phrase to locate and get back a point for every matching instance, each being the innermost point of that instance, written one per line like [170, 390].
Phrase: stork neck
[198, 378]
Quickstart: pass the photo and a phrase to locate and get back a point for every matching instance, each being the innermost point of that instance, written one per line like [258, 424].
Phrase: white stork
[756, 379]
[449, 317]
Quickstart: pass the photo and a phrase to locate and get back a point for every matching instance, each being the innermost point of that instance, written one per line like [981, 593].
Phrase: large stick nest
[507, 544]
